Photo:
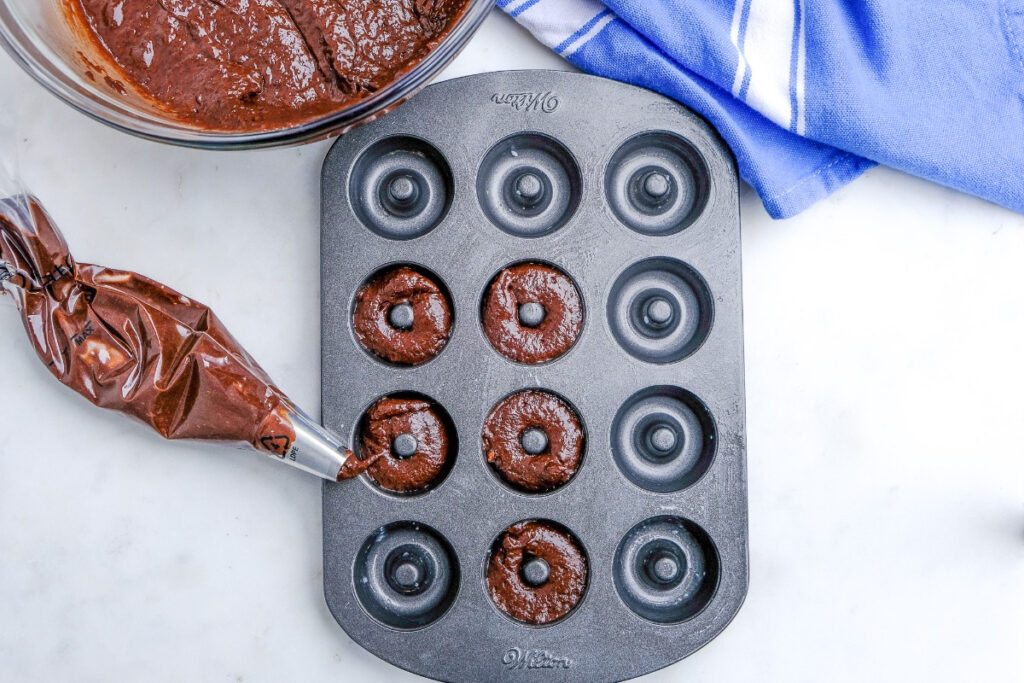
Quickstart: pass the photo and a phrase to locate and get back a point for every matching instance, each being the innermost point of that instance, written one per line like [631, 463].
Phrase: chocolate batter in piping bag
[133, 345]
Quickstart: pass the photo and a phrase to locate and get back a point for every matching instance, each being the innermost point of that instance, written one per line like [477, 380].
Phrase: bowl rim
[338, 122]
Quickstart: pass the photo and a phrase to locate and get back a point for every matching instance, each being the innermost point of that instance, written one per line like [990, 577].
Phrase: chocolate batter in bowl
[236, 74]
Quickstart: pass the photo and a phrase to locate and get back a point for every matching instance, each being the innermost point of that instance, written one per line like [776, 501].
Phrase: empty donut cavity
[660, 310]
[666, 569]
[401, 188]
[529, 185]
[406, 575]
[657, 184]
[663, 439]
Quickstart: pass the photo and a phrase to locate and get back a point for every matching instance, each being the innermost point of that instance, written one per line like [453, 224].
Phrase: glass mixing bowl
[37, 35]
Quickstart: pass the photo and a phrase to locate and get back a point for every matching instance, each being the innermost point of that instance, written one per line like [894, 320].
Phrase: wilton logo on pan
[546, 102]
[516, 659]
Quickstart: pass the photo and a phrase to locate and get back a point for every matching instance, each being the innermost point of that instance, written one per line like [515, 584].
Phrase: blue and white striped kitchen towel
[811, 93]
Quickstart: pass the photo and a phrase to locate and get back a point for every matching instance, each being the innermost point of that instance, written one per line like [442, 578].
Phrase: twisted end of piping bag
[136, 346]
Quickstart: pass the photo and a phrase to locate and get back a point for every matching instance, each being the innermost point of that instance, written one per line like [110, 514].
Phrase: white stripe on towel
[586, 37]
[768, 47]
[554, 28]
[734, 36]
[801, 71]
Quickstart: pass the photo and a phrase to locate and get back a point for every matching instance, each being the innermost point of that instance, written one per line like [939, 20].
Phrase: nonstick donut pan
[633, 198]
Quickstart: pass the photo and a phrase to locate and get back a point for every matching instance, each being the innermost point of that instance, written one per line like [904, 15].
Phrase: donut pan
[636, 199]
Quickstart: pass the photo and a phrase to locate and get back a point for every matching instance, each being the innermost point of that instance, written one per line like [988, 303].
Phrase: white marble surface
[884, 376]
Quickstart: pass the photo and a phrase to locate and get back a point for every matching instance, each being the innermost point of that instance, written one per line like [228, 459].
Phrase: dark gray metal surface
[661, 511]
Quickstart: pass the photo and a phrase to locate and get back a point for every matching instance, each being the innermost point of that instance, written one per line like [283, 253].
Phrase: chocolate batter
[249, 65]
[405, 445]
[402, 316]
[537, 573]
[532, 313]
[134, 345]
[534, 440]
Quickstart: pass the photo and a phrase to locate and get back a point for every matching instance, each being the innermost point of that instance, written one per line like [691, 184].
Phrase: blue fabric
[811, 93]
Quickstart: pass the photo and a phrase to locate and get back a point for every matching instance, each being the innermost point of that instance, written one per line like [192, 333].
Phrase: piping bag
[133, 345]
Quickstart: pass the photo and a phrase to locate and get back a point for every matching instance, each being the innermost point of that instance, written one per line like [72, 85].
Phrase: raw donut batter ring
[532, 313]
[534, 440]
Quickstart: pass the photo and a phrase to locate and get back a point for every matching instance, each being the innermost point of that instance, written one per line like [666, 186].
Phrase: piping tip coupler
[315, 449]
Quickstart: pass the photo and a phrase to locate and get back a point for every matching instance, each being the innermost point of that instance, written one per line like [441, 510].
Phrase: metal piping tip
[315, 449]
